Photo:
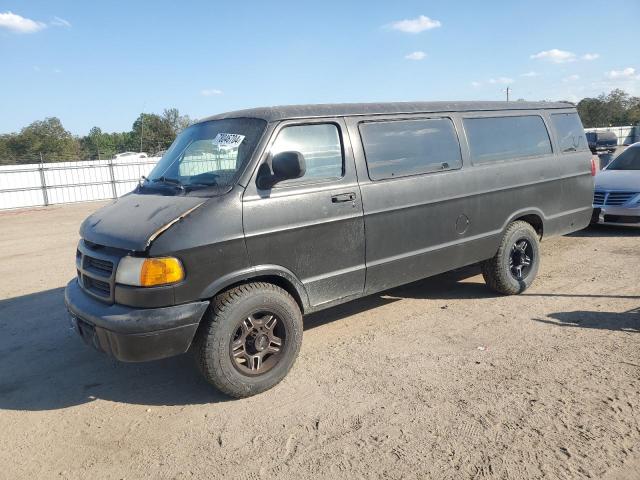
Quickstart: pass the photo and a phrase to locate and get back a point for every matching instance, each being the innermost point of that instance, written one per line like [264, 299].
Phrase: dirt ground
[439, 379]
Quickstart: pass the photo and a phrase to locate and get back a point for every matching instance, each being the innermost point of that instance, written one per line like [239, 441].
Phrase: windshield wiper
[202, 184]
[169, 181]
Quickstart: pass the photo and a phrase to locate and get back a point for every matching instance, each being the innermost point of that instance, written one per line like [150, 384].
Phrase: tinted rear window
[569, 131]
[400, 148]
[505, 138]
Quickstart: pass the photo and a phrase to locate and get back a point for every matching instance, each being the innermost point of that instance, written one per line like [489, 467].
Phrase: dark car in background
[602, 142]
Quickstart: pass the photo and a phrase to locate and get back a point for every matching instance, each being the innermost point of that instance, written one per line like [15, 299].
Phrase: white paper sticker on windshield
[228, 140]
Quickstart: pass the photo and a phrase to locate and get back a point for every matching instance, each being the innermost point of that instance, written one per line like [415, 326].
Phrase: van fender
[524, 212]
[259, 272]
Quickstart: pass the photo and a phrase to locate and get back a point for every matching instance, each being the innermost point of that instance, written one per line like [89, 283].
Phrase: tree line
[48, 141]
[615, 109]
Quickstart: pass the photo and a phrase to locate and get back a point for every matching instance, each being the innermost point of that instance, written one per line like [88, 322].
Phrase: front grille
[96, 270]
[612, 199]
[97, 286]
[598, 198]
[619, 198]
[101, 266]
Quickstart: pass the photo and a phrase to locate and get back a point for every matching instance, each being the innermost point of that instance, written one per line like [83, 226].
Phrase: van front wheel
[250, 339]
[513, 269]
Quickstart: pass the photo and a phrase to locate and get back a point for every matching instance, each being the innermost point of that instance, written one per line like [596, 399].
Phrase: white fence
[44, 184]
[626, 135]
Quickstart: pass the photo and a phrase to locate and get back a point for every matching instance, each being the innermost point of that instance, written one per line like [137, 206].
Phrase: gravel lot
[438, 379]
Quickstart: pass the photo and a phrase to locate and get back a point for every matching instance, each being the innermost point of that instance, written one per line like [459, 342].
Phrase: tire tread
[493, 269]
[221, 304]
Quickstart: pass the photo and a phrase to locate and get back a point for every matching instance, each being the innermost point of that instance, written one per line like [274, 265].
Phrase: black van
[602, 142]
[254, 218]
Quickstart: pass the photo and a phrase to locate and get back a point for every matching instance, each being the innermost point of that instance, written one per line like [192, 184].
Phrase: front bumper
[616, 215]
[133, 334]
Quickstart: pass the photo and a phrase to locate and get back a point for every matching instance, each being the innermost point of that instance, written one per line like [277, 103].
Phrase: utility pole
[508, 90]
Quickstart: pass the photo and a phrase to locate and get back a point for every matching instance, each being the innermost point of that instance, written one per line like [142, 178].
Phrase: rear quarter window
[506, 138]
[399, 148]
[569, 132]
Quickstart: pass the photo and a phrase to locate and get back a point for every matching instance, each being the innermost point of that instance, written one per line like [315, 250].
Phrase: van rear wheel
[515, 265]
[250, 339]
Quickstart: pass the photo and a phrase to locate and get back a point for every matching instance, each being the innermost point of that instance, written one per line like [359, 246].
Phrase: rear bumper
[133, 334]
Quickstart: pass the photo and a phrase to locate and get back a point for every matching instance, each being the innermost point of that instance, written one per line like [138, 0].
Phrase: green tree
[176, 121]
[6, 153]
[592, 112]
[615, 109]
[47, 140]
[634, 113]
[151, 133]
[99, 145]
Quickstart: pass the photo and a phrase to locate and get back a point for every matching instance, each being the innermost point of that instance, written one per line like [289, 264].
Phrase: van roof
[283, 112]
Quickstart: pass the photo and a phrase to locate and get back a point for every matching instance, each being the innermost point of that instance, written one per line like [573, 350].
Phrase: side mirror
[285, 166]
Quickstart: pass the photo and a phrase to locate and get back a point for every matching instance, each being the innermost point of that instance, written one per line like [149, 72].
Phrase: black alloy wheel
[521, 259]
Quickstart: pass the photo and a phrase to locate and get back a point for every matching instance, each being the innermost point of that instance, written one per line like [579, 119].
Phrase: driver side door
[311, 226]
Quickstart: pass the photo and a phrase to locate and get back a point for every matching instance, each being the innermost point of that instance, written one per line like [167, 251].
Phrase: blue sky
[102, 63]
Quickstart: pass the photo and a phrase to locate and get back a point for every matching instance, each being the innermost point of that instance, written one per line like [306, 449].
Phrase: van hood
[133, 221]
[618, 180]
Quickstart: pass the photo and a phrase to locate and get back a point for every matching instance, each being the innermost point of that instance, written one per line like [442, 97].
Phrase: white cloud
[501, 80]
[554, 55]
[530, 74]
[416, 55]
[628, 73]
[415, 25]
[60, 22]
[476, 84]
[208, 92]
[590, 56]
[571, 78]
[18, 24]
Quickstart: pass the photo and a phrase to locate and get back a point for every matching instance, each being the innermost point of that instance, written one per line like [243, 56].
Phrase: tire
[499, 274]
[230, 348]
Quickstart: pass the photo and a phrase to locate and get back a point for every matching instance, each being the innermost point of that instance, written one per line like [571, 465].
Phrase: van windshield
[208, 154]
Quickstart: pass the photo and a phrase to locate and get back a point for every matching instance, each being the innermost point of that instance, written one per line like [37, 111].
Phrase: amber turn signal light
[149, 272]
[161, 271]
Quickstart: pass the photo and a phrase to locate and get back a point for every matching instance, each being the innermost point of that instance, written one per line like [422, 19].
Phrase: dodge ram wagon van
[255, 218]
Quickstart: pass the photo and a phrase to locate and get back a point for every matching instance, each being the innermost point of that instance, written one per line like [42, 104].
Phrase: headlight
[149, 272]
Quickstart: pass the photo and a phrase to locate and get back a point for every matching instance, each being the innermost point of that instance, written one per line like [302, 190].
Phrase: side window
[506, 138]
[569, 131]
[319, 144]
[399, 148]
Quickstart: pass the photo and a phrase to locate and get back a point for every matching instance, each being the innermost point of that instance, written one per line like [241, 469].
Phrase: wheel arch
[533, 217]
[274, 274]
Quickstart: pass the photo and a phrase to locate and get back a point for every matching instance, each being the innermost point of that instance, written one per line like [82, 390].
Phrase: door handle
[343, 197]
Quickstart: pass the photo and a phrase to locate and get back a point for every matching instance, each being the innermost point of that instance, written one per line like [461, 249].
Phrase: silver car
[616, 199]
